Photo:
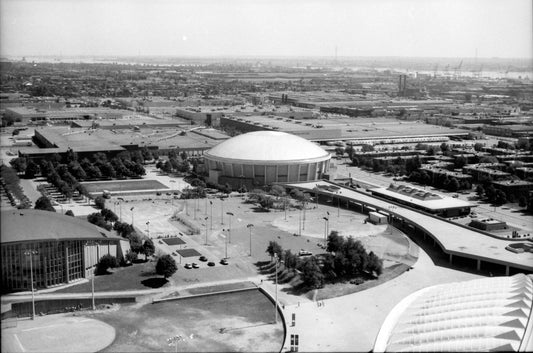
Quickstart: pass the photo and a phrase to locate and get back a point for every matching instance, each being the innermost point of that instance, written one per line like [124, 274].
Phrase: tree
[335, 242]
[19, 164]
[480, 191]
[274, 248]
[522, 201]
[166, 266]
[135, 242]
[478, 146]
[43, 203]
[311, 274]
[148, 248]
[375, 264]
[109, 215]
[107, 261]
[499, 197]
[98, 220]
[367, 148]
[291, 260]
[32, 169]
[130, 256]
[444, 147]
[99, 202]
[69, 213]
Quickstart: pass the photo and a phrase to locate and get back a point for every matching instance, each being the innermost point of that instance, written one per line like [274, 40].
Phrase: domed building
[265, 157]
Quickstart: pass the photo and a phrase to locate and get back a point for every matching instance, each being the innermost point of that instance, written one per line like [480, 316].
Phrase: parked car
[203, 258]
[210, 263]
[195, 265]
[304, 253]
[224, 261]
[188, 266]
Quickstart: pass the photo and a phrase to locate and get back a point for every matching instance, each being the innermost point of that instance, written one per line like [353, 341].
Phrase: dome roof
[489, 314]
[267, 146]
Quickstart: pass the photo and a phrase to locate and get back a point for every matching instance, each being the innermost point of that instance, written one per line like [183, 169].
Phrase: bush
[107, 261]
[43, 203]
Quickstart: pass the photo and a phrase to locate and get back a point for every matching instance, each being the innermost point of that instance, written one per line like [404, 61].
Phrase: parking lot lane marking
[18, 342]
[39, 328]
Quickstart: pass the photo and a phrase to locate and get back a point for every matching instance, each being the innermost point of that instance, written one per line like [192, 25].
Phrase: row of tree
[346, 259]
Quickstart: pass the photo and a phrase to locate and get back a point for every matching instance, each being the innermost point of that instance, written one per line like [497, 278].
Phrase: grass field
[218, 323]
[123, 185]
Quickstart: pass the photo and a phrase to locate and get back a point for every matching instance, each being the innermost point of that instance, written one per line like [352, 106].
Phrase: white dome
[267, 146]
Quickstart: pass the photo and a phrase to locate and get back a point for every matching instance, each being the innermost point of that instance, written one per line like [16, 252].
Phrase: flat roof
[37, 225]
[453, 238]
[432, 204]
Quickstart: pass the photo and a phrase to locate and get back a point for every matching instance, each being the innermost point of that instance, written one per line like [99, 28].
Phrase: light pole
[30, 253]
[221, 211]
[211, 213]
[92, 277]
[300, 223]
[338, 204]
[250, 226]
[120, 209]
[230, 216]
[303, 219]
[148, 225]
[131, 209]
[206, 218]
[276, 304]
[225, 244]
[326, 219]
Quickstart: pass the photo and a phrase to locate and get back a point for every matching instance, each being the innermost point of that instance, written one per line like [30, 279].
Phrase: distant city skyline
[400, 28]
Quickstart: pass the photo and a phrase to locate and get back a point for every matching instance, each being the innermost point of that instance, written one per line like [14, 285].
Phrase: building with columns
[54, 248]
[265, 157]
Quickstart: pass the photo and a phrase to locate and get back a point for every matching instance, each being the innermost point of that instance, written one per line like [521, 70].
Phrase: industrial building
[52, 248]
[265, 157]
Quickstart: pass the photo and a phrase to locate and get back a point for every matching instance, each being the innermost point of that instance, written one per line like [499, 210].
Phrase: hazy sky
[428, 28]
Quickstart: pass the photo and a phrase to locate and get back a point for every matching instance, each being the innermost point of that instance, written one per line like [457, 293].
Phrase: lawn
[218, 323]
[125, 185]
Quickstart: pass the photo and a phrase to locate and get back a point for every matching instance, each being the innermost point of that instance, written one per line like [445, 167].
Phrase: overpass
[454, 240]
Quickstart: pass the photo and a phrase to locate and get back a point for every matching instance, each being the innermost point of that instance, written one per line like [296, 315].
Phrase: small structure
[488, 224]
[377, 218]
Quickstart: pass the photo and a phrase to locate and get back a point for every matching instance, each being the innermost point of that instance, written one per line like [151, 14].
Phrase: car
[168, 194]
[188, 266]
[203, 258]
[304, 253]
[158, 193]
[224, 261]
[195, 265]
[210, 263]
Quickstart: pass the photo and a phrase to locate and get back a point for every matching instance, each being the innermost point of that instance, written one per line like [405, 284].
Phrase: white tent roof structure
[490, 314]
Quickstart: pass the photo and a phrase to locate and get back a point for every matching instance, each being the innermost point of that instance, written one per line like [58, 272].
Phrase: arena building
[482, 315]
[62, 249]
[266, 157]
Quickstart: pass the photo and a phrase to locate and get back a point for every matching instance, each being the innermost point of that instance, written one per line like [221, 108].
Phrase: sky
[408, 28]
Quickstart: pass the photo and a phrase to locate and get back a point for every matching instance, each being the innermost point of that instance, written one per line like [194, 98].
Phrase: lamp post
[120, 209]
[230, 216]
[225, 244]
[92, 277]
[326, 224]
[250, 226]
[221, 211]
[338, 204]
[276, 303]
[211, 213]
[30, 253]
[131, 209]
[148, 225]
[206, 218]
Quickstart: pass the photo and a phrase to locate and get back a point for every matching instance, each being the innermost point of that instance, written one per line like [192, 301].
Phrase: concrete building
[266, 157]
[424, 200]
[64, 248]
[516, 188]
[482, 315]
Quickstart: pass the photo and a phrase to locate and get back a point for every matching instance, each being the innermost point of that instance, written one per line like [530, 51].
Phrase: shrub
[107, 261]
